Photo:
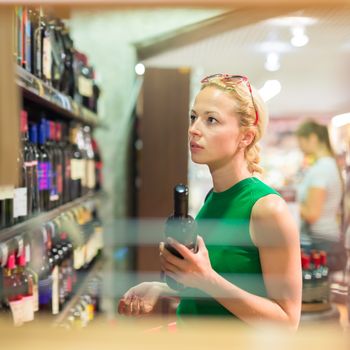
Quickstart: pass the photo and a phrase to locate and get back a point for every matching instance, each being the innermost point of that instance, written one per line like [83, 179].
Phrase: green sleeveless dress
[223, 222]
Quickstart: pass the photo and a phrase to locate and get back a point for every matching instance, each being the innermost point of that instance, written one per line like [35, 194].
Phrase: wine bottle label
[35, 297]
[76, 169]
[76, 259]
[28, 308]
[91, 176]
[83, 173]
[6, 192]
[43, 175]
[17, 312]
[20, 202]
[47, 57]
[55, 291]
[85, 86]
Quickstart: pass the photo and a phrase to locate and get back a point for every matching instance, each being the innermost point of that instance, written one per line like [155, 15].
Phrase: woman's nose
[194, 129]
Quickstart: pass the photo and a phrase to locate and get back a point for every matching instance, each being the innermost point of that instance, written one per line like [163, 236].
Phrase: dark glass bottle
[33, 139]
[59, 155]
[29, 164]
[51, 149]
[6, 202]
[43, 172]
[66, 150]
[181, 227]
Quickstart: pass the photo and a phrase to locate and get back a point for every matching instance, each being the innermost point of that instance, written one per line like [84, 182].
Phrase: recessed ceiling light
[270, 89]
[140, 69]
[292, 21]
[341, 120]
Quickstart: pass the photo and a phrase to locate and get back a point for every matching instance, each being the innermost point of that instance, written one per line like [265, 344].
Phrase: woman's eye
[212, 120]
[192, 118]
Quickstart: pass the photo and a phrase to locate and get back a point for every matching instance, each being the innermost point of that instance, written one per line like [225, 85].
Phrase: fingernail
[161, 246]
[170, 240]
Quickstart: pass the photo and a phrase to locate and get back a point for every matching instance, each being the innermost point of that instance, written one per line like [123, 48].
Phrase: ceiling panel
[315, 78]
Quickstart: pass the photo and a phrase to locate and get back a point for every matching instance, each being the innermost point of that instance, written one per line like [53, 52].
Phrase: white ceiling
[314, 79]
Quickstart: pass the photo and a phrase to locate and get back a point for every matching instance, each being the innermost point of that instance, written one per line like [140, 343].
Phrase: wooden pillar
[9, 101]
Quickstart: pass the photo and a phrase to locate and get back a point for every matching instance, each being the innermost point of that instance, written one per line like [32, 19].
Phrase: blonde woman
[247, 266]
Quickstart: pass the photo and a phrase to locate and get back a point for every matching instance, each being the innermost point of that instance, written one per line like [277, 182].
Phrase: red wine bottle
[181, 227]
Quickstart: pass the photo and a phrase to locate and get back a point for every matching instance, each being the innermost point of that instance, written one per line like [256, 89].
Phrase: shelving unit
[38, 92]
[7, 235]
[97, 265]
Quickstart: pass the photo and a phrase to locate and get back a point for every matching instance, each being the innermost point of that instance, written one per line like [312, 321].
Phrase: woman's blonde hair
[247, 110]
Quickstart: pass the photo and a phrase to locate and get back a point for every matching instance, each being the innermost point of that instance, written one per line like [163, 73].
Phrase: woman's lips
[195, 147]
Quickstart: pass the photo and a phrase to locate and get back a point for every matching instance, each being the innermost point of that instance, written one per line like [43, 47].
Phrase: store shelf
[95, 268]
[8, 235]
[40, 93]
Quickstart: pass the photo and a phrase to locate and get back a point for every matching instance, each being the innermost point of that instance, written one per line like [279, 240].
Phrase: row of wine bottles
[316, 286]
[58, 163]
[44, 270]
[44, 47]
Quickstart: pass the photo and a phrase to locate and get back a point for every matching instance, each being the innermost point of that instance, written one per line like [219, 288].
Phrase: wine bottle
[76, 165]
[43, 172]
[181, 227]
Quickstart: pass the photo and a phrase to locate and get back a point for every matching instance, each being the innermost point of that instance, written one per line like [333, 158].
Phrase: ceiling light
[140, 69]
[341, 120]
[299, 37]
[272, 63]
[270, 89]
[292, 21]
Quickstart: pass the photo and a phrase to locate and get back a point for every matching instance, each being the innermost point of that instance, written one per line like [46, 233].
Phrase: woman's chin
[198, 160]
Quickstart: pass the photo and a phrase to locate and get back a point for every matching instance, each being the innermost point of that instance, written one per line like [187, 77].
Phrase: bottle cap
[11, 262]
[24, 121]
[22, 259]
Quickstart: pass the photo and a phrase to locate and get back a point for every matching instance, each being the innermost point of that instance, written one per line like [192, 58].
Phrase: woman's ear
[247, 138]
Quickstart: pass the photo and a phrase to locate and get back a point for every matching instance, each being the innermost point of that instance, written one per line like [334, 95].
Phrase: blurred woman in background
[320, 194]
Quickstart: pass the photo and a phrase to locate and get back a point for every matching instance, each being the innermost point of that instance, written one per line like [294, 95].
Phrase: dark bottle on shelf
[36, 43]
[33, 139]
[43, 170]
[98, 165]
[63, 142]
[76, 165]
[30, 165]
[181, 227]
[6, 203]
[60, 163]
[20, 201]
[54, 159]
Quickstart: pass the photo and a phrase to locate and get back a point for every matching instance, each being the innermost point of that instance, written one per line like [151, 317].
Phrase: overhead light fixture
[299, 38]
[341, 120]
[292, 21]
[272, 63]
[140, 69]
[270, 89]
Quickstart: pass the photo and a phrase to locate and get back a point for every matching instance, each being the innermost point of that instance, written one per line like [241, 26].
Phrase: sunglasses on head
[235, 79]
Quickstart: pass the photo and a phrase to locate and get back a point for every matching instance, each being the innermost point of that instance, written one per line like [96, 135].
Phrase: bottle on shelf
[307, 294]
[181, 227]
[6, 206]
[37, 178]
[98, 165]
[27, 290]
[59, 155]
[77, 165]
[12, 290]
[90, 162]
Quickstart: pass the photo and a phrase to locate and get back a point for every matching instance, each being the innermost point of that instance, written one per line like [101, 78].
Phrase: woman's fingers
[166, 265]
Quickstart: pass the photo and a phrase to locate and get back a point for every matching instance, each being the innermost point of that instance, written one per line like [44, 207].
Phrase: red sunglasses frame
[232, 77]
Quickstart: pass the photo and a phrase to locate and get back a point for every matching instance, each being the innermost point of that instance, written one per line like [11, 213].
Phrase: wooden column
[9, 101]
